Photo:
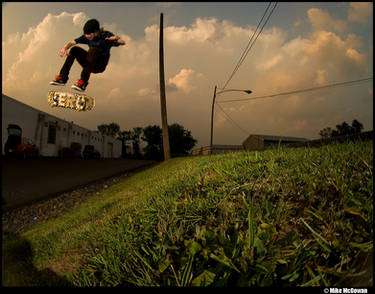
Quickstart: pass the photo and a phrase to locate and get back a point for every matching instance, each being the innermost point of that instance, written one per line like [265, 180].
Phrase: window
[28, 141]
[16, 132]
[51, 134]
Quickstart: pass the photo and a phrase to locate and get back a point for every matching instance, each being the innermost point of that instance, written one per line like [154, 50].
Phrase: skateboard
[76, 101]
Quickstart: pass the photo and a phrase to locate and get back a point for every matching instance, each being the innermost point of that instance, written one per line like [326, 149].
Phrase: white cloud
[336, 56]
[219, 120]
[360, 12]
[321, 77]
[270, 63]
[114, 93]
[300, 125]
[168, 4]
[200, 31]
[297, 23]
[197, 57]
[353, 41]
[184, 80]
[36, 50]
[79, 19]
[321, 20]
[146, 92]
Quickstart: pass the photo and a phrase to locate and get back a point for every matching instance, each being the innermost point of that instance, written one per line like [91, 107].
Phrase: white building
[51, 133]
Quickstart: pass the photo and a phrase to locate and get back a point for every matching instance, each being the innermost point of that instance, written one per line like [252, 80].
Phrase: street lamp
[213, 107]
[233, 90]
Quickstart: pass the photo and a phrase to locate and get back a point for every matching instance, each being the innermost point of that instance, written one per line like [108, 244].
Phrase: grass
[283, 217]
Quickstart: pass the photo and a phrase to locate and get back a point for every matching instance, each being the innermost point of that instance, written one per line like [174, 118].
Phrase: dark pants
[89, 60]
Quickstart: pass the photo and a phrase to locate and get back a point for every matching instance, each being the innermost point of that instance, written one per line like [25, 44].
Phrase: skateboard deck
[76, 101]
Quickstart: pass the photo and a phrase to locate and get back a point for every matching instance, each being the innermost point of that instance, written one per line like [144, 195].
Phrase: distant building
[51, 133]
[262, 142]
[216, 149]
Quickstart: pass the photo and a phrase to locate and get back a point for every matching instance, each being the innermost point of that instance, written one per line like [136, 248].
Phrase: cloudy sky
[303, 45]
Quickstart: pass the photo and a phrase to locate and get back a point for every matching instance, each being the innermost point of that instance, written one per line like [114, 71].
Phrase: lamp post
[213, 108]
[212, 119]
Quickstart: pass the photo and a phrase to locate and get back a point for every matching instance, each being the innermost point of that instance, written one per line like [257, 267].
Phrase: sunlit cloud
[322, 20]
[197, 57]
[360, 12]
[184, 80]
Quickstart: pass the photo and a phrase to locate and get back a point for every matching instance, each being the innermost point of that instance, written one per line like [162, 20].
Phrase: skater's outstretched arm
[64, 51]
[117, 39]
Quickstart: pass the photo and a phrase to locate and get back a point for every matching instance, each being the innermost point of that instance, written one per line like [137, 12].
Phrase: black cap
[91, 26]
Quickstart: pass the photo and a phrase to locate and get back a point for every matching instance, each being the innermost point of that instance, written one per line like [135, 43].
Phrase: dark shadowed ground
[30, 180]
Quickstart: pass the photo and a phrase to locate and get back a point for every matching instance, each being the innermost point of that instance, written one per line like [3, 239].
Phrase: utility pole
[163, 103]
[212, 121]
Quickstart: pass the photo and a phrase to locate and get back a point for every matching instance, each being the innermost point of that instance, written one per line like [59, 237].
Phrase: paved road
[30, 180]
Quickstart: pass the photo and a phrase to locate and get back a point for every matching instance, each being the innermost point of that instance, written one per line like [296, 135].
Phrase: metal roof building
[216, 149]
[262, 142]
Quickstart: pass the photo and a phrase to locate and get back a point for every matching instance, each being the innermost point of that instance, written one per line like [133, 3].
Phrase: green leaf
[251, 225]
[163, 264]
[258, 244]
[194, 248]
[225, 261]
[292, 276]
[314, 214]
[318, 237]
[187, 272]
[204, 279]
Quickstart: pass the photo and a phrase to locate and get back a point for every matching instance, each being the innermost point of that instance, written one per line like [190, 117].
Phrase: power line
[299, 91]
[286, 93]
[250, 44]
[237, 125]
[247, 47]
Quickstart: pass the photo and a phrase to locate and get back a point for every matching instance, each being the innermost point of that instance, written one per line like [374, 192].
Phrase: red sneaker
[59, 81]
[80, 85]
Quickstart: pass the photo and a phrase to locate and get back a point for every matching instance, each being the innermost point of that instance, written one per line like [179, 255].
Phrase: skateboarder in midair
[94, 60]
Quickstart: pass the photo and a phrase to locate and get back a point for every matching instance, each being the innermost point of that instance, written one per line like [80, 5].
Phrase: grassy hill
[283, 217]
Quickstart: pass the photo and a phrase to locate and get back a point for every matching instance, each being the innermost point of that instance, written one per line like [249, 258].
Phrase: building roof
[226, 146]
[278, 138]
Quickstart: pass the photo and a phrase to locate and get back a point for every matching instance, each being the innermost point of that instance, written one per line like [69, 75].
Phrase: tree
[114, 129]
[135, 136]
[152, 135]
[326, 133]
[124, 136]
[180, 140]
[342, 129]
[103, 129]
[111, 129]
[357, 126]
